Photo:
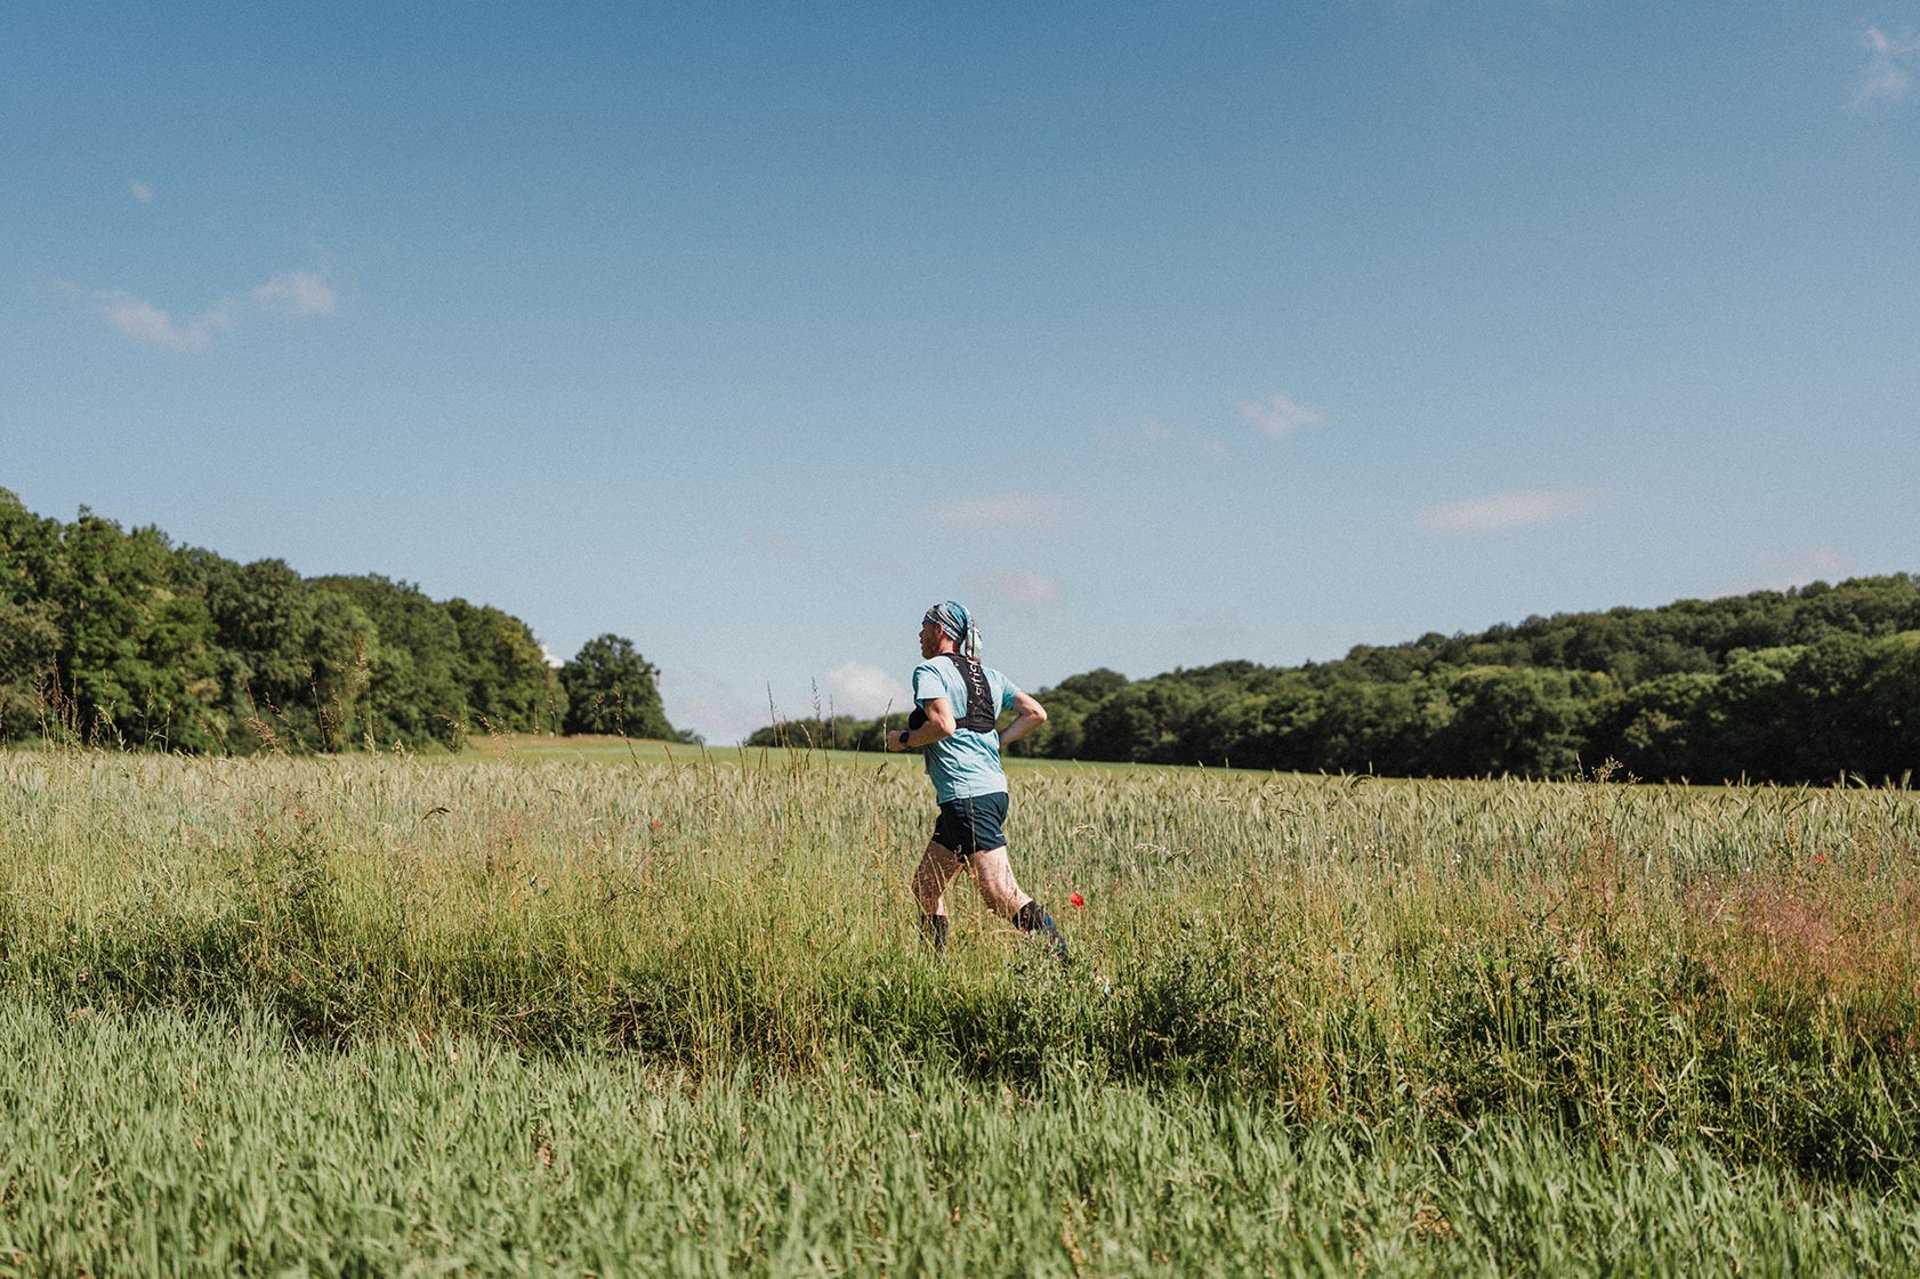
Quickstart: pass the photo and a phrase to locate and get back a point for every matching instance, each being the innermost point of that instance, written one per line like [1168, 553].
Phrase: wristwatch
[903, 739]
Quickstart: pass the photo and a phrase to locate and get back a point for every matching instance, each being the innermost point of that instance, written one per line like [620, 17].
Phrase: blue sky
[1158, 333]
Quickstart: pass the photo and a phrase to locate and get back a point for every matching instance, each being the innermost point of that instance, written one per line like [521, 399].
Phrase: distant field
[531, 748]
[355, 1015]
[534, 748]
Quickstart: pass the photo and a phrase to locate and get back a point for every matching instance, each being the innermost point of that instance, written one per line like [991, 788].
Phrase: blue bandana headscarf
[953, 618]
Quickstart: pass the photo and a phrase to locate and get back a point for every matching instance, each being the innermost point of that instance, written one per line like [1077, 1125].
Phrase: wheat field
[669, 1012]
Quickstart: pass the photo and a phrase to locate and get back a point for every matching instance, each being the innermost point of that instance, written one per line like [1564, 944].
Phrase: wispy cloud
[1154, 437]
[865, 691]
[297, 293]
[142, 190]
[1278, 416]
[1888, 78]
[144, 322]
[1005, 512]
[1023, 592]
[1780, 570]
[1521, 508]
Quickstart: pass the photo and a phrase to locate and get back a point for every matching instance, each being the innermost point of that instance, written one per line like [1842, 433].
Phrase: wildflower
[654, 824]
[1076, 900]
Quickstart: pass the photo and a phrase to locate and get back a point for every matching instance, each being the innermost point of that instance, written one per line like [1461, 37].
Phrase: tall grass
[1733, 970]
[187, 1144]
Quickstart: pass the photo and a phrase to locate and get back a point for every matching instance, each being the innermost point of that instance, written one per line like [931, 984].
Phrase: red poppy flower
[1076, 900]
[653, 825]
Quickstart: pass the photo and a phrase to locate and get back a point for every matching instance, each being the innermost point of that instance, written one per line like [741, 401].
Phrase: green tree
[1068, 703]
[1658, 730]
[1745, 716]
[610, 689]
[261, 615]
[1888, 709]
[1518, 720]
[30, 560]
[414, 691]
[134, 651]
[341, 643]
[29, 647]
[509, 686]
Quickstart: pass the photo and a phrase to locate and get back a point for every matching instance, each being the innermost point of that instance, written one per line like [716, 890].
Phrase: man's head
[948, 628]
[932, 637]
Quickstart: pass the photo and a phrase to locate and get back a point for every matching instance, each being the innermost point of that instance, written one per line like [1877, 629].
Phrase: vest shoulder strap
[982, 714]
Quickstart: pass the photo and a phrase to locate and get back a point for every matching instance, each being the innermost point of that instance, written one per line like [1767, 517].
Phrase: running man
[958, 700]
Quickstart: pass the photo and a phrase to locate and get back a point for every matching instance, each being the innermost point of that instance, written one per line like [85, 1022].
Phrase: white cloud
[864, 691]
[547, 656]
[1023, 592]
[1004, 512]
[1779, 570]
[142, 191]
[1521, 508]
[1279, 416]
[297, 293]
[1887, 78]
[142, 321]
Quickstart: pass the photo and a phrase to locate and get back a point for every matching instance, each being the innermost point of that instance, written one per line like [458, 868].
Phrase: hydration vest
[982, 713]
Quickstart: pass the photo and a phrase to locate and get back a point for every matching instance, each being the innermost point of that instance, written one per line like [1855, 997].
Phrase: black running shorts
[972, 825]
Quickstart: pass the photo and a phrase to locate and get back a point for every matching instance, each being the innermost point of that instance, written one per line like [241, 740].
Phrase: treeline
[1800, 685]
[118, 637]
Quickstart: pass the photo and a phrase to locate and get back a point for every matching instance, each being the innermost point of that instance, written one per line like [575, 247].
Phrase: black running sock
[1033, 918]
[934, 929]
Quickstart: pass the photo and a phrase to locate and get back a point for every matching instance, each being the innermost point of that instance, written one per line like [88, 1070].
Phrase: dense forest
[1800, 685]
[118, 637]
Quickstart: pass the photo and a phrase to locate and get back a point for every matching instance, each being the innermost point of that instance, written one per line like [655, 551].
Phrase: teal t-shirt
[967, 763]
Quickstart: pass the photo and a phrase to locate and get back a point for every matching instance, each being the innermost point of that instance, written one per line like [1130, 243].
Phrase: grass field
[547, 1010]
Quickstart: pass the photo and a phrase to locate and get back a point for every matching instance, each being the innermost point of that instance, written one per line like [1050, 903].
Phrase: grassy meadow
[643, 1009]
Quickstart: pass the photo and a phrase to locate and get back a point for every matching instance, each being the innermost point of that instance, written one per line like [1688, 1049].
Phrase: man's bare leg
[938, 869]
[992, 873]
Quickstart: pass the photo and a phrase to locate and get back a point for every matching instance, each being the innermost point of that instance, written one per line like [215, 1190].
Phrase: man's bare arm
[939, 725]
[1030, 715]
